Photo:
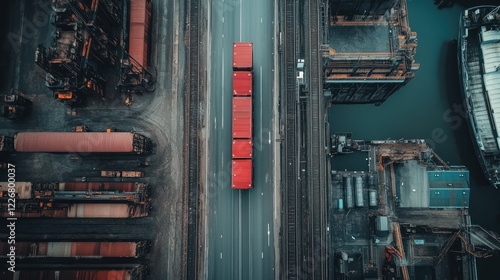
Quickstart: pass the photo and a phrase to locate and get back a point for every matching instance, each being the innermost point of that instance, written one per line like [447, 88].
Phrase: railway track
[315, 230]
[290, 267]
[191, 148]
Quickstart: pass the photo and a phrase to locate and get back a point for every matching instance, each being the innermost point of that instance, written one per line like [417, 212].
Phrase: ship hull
[468, 37]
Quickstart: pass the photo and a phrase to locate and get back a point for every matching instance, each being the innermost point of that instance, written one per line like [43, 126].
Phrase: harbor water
[429, 107]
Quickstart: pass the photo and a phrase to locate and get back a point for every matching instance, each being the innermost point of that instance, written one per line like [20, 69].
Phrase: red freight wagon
[242, 174]
[242, 55]
[119, 274]
[80, 142]
[242, 117]
[74, 249]
[140, 21]
[242, 83]
[242, 148]
[80, 210]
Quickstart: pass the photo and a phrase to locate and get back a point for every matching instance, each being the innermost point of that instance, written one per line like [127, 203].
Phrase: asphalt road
[240, 226]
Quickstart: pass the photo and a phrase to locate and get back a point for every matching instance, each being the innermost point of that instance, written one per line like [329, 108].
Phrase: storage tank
[372, 194]
[358, 181]
[348, 192]
[341, 204]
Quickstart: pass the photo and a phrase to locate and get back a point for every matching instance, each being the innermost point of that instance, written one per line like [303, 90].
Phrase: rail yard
[154, 139]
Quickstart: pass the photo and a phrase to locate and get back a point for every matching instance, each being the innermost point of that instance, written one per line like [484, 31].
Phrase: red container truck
[242, 134]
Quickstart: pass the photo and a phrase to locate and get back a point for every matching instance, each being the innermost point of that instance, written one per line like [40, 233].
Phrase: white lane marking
[222, 19]
[222, 102]
[262, 254]
[221, 255]
[221, 234]
[268, 236]
[215, 122]
[260, 20]
[239, 237]
[241, 23]
[269, 137]
[261, 93]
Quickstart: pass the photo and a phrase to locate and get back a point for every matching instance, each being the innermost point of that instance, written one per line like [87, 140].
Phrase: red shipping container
[242, 148]
[140, 21]
[242, 117]
[74, 142]
[242, 174]
[242, 55]
[242, 83]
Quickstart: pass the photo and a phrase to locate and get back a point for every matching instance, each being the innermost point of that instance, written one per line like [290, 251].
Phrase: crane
[488, 17]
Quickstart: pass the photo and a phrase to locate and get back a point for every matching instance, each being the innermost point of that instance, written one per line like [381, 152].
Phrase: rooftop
[359, 38]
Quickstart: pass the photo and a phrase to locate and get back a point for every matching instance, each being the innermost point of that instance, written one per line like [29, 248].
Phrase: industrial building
[370, 50]
[405, 217]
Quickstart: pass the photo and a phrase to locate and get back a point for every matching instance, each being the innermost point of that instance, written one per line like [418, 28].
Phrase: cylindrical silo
[341, 204]
[349, 203]
[358, 181]
[372, 194]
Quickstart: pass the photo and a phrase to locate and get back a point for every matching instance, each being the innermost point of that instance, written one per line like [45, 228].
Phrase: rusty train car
[82, 142]
[136, 273]
[77, 249]
[77, 200]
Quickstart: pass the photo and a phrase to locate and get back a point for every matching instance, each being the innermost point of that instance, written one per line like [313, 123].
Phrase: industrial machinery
[14, 106]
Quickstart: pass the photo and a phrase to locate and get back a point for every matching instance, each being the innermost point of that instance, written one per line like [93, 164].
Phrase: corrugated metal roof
[242, 148]
[242, 55]
[449, 198]
[242, 117]
[490, 48]
[140, 20]
[98, 211]
[242, 83]
[74, 142]
[91, 210]
[242, 174]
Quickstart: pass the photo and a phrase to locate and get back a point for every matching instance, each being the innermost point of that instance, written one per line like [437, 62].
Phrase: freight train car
[82, 142]
[77, 249]
[242, 135]
[76, 200]
[134, 74]
[76, 210]
[140, 24]
[136, 273]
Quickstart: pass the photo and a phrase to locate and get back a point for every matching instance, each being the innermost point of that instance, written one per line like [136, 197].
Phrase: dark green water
[428, 107]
